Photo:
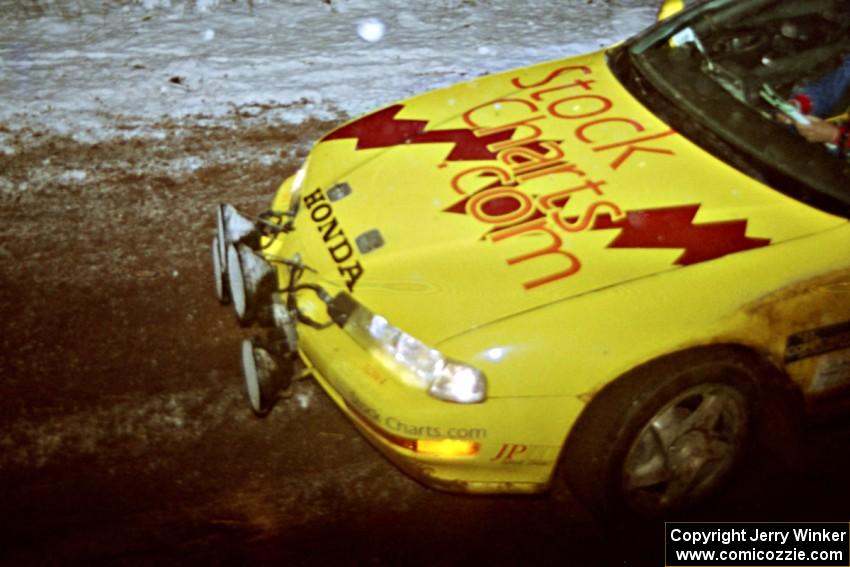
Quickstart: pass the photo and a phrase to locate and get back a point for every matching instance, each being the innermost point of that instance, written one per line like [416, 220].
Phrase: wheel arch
[780, 401]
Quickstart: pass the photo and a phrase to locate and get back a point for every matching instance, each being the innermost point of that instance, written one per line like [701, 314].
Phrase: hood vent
[339, 191]
[370, 240]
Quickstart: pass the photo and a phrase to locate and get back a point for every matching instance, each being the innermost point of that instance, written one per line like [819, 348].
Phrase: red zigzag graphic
[674, 228]
[651, 228]
[381, 130]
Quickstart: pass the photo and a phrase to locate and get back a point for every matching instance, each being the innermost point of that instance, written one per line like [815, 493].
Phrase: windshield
[720, 73]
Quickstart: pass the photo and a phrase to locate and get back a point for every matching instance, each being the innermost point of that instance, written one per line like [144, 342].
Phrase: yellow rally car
[615, 270]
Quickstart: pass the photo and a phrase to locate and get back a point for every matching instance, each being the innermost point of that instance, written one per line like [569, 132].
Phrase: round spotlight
[233, 227]
[252, 282]
[236, 284]
[221, 232]
[222, 292]
[259, 370]
[267, 371]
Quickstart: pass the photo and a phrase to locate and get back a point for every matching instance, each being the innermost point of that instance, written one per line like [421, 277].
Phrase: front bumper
[404, 423]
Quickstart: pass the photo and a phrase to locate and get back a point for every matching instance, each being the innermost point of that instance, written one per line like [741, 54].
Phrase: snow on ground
[97, 69]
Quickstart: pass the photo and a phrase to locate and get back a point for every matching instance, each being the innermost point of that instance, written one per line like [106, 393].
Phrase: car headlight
[413, 360]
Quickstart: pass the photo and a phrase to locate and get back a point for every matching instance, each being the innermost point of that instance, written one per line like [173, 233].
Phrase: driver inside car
[818, 100]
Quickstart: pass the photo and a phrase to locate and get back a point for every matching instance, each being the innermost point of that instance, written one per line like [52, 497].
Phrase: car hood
[473, 203]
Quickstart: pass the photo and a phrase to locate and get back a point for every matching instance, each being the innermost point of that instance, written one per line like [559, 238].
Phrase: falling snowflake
[371, 29]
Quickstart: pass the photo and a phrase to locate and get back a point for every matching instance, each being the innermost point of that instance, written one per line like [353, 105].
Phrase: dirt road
[124, 435]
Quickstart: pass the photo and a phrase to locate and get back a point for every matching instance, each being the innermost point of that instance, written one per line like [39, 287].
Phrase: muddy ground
[124, 434]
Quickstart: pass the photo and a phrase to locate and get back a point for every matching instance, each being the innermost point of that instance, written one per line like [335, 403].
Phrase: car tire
[666, 436]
